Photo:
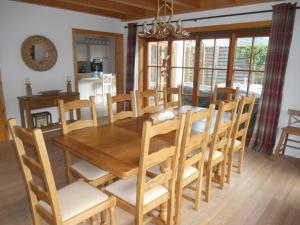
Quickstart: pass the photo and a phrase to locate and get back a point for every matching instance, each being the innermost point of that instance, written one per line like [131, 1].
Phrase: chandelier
[162, 26]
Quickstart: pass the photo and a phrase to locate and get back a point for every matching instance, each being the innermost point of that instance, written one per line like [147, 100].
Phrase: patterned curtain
[131, 47]
[264, 135]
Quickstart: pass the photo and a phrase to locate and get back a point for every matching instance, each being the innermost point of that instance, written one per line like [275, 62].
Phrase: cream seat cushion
[236, 142]
[216, 154]
[126, 190]
[188, 171]
[88, 170]
[76, 198]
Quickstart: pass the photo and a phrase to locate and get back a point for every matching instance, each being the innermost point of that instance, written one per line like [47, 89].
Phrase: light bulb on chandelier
[162, 26]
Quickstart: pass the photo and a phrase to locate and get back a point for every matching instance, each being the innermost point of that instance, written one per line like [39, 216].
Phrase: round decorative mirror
[39, 53]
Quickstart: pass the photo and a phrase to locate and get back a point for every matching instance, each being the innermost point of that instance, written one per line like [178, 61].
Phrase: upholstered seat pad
[126, 190]
[216, 154]
[188, 171]
[76, 198]
[88, 170]
[236, 142]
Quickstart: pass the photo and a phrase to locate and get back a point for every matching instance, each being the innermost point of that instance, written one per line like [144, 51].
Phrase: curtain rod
[219, 16]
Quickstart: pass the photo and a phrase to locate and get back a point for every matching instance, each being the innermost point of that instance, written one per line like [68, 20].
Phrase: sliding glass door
[232, 59]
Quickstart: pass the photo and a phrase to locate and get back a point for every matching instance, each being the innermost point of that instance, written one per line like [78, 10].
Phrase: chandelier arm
[162, 26]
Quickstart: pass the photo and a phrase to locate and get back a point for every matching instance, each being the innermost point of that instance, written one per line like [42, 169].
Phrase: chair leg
[208, 183]
[139, 219]
[222, 176]
[280, 143]
[229, 166]
[112, 215]
[198, 193]
[103, 217]
[284, 145]
[179, 190]
[170, 217]
[241, 160]
[36, 218]
[94, 220]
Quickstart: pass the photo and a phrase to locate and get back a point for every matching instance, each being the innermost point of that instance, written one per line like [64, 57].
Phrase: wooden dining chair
[141, 195]
[81, 169]
[239, 133]
[293, 128]
[71, 204]
[144, 102]
[225, 93]
[216, 156]
[123, 114]
[191, 161]
[168, 95]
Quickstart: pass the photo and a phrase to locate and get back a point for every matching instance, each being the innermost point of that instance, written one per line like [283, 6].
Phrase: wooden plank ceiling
[138, 9]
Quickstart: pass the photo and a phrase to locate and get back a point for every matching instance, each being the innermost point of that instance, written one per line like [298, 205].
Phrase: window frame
[256, 29]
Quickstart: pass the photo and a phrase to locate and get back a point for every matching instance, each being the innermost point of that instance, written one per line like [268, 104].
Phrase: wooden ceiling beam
[218, 4]
[110, 6]
[138, 9]
[149, 5]
[188, 3]
[78, 8]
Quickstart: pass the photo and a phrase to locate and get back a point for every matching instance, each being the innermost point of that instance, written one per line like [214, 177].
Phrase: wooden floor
[265, 193]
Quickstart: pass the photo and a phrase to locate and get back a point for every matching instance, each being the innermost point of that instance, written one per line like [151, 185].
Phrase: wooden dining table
[116, 147]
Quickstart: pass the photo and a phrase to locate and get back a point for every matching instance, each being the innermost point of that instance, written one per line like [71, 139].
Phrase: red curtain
[131, 47]
[264, 135]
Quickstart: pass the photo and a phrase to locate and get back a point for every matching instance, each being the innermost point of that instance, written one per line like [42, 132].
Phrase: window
[225, 58]
[249, 64]
[157, 51]
[213, 64]
[183, 66]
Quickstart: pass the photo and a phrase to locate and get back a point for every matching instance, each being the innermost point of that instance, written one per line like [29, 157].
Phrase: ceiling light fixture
[162, 26]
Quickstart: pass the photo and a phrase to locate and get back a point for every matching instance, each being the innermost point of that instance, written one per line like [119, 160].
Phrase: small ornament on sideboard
[28, 87]
[69, 85]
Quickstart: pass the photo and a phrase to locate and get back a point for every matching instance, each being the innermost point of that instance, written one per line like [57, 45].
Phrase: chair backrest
[243, 118]
[123, 114]
[168, 154]
[294, 117]
[227, 93]
[77, 105]
[223, 127]
[36, 171]
[144, 97]
[197, 140]
[168, 95]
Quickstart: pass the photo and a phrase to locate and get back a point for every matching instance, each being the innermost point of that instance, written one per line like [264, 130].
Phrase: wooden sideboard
[42, 101]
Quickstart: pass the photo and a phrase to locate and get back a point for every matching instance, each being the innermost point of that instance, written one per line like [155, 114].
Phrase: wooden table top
[113, 148]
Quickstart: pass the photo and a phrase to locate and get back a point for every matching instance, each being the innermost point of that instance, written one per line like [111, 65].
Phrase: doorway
[98, 66]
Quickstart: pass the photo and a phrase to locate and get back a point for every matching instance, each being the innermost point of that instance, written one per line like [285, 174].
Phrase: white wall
[19, 21]
[290, 93]
[83, 52]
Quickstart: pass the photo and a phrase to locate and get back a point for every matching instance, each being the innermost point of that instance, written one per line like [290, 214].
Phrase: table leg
[68, 159]
[71, 115]
[78, 112]
[22, 115]
[28, 118]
